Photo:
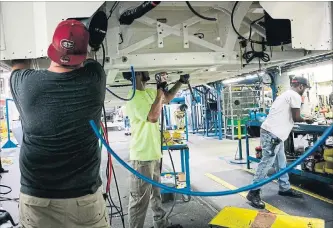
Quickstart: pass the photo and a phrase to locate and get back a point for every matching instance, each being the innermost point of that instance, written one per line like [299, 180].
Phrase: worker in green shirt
[144, 111]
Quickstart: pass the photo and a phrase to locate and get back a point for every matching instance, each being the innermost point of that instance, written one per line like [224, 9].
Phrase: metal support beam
[186, 60]
[239, 14]
[112, 40]
[219, 110]
[178, 32]
[111, 75]
[223, 29]
[4, 66]
[185, 36]
[160, 32]
[171, 60]
[168, 30]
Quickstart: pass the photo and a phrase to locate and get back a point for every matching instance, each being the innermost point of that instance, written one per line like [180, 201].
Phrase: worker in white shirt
[285, 111]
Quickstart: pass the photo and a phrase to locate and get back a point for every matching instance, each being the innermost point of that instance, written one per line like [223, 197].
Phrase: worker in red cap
[60, 157]
[285, 111]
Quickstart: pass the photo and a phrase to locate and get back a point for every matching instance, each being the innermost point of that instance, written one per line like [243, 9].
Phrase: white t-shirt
[279, 120]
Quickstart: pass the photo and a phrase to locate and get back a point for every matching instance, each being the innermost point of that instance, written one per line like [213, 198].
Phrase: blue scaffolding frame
[206, 114]
[9, 143]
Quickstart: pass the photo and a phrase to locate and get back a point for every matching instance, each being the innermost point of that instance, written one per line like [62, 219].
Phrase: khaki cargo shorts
[84, 212]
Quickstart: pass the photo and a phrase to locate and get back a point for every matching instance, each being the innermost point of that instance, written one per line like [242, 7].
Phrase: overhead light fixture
[233, 80]
[251, 76]
[261, 73]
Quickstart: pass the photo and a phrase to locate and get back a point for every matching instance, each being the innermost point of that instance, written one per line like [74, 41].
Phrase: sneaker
[291, 193]
[254, 197]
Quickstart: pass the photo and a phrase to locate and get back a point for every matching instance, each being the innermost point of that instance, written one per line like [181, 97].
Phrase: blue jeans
[269, 159]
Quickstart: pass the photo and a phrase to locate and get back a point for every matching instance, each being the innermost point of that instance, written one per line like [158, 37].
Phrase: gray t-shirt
[60, 156]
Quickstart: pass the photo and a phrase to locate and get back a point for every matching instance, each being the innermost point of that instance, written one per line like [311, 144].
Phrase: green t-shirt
[146, 139]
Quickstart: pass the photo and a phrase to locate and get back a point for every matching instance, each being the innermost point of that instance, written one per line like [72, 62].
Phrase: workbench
[307, 129]
[315, 130]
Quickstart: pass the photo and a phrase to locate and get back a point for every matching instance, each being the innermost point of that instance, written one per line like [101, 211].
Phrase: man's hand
[162, 86]
[184, 78]
[173, 91]
[308, 120]
[161, 81]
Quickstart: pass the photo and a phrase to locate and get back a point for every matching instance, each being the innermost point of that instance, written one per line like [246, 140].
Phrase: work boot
[291, 193]
[175, 226]
[254, 197]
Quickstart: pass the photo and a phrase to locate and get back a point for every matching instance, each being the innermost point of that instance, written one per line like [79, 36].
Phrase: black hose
[252, 23]
[104, 57]
[114, 6]
[119, 210]
[127, 17]
[174, 195]
[199, 15]
[133, 83]
[250, 55]
[5, 186]
[108, 195]
[119, 198]
[162, 137]
[233, 26]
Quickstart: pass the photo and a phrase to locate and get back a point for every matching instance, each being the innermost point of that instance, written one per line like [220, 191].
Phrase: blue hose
[326, 134]
[133, 86]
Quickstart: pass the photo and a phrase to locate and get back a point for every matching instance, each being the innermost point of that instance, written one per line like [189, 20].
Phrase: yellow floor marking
[234, 217]
[314, 195]
[243, 194]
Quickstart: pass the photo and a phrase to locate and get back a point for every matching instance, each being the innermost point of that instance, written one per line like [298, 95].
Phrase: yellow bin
[328, 154]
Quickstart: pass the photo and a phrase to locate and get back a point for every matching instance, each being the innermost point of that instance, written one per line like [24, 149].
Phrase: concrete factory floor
[210, 171]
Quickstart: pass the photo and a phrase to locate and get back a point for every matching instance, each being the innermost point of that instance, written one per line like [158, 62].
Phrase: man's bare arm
[20, 64]
[172, 92]
[156, 108]
[296, 113]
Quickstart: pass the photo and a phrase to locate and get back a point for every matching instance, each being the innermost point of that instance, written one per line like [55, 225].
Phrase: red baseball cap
[301, 80]
[70, 43]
